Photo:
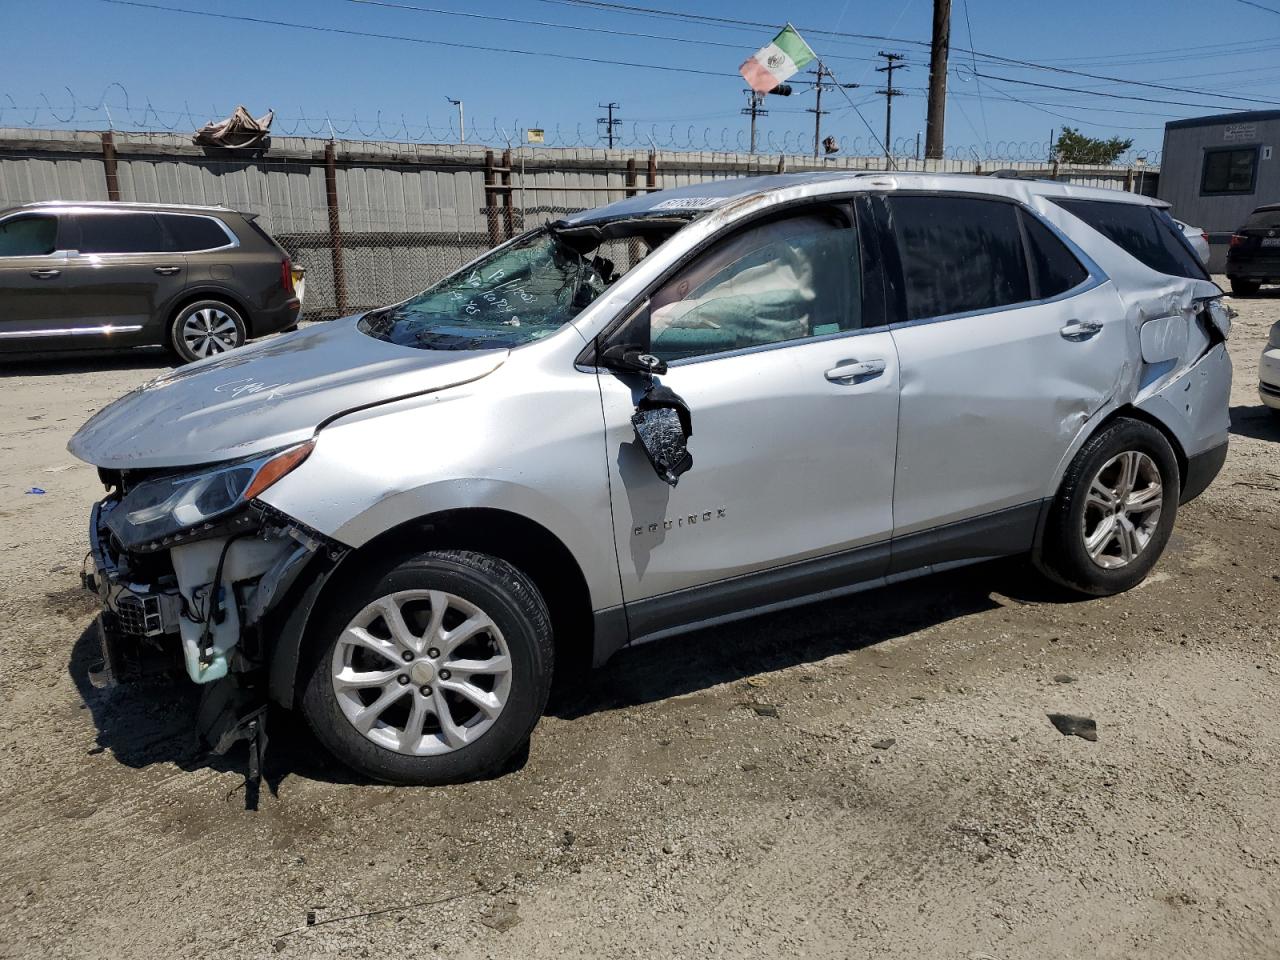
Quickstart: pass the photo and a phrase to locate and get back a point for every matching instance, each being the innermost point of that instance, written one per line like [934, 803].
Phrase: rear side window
[121, 233]
[958, 254]
[1054, 268]
[28, 236]
[1146, 233]
[1263, 219]
[195, 233]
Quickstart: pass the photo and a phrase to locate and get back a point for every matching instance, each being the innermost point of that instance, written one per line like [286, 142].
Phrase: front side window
[520, 292]
[783, 280]
[28, 236]
[1229, 171]
[121, 233]
[958, 254]
[1145, 232]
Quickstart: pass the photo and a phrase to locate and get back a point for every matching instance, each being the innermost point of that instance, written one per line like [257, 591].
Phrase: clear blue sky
[1224, 49]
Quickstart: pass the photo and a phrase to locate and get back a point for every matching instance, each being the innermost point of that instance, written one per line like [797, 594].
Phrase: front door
[793, 388]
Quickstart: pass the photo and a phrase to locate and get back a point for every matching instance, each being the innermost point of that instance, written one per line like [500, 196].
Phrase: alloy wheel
[421, 672]
[1122, 509]
[209, 330]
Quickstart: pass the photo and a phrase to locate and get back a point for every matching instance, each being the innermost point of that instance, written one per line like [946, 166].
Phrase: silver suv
[676, 410]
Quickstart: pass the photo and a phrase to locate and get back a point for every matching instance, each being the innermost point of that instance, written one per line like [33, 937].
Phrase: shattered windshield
[520, 292]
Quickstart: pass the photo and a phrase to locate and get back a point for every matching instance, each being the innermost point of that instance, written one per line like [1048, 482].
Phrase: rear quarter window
[1146, 233]
[195, 233]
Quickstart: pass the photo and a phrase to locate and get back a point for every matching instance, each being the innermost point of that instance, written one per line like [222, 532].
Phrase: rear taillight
[286, 275]
[1237, 239]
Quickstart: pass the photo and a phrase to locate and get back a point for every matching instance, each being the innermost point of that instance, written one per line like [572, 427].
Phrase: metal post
[490, 200]
[508, 222]
[335, 228]
[935, 125]
[651, 175]
[609, 122]
[109, 165]
[631, 176]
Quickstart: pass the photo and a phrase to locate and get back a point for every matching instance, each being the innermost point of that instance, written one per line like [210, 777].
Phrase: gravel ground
[873, 776]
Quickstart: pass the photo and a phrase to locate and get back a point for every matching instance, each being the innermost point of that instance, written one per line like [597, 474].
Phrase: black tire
[1062, 555]
[1245, 288]
[506, 596]
[211, 311]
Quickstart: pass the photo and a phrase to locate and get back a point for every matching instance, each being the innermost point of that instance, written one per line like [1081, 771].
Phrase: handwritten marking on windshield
[248, 386]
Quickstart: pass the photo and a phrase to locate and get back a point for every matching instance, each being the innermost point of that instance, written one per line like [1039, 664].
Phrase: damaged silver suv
[676, 410]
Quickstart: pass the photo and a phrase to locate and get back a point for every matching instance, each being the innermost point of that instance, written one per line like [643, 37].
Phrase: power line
[405, 39]
[739, 24]
[982, 103]
[1250, 3]
[1101, 93]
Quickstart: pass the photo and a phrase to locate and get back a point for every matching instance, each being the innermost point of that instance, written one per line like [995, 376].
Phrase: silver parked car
[676, 410]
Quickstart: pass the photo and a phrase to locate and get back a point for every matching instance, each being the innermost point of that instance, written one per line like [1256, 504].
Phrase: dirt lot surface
[874, 776]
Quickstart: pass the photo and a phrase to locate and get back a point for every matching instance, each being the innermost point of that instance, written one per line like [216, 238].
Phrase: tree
[1074, 147]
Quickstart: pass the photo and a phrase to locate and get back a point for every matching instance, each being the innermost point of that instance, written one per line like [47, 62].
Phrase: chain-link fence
[375, 222]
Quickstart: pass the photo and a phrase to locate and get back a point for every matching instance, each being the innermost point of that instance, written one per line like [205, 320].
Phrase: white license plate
[1271, 241]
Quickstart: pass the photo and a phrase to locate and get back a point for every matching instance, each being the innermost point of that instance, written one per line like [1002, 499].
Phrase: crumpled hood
[265, 396]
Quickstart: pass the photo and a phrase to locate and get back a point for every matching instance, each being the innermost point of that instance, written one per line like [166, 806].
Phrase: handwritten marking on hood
[248, 386]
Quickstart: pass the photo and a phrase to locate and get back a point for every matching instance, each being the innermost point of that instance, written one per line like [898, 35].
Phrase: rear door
[126, 275]
[1008, 343]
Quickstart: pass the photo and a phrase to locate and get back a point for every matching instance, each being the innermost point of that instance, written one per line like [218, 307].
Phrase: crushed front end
[194, 575]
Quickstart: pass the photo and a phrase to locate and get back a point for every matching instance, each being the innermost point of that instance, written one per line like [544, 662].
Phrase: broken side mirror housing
[663, 425]
[629, 353]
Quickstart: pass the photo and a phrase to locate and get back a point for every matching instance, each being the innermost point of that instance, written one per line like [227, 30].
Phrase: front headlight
[191, 506]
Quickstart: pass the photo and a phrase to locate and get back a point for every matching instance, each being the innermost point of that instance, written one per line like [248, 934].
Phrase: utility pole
[609, 122]
[817, 110]
[755, 101]
[889, 92]
[462, 126]
[935, 125]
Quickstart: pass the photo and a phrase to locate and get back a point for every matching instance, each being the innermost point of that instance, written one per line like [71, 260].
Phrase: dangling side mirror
[663, 426]
[632, 359]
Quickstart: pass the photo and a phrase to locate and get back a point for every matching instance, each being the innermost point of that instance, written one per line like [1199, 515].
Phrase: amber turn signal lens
[277, 467]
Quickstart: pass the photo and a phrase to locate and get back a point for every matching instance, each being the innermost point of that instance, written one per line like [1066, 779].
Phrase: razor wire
[673, 136]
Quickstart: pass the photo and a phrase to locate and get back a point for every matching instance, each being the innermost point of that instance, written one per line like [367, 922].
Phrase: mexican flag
[784, 57]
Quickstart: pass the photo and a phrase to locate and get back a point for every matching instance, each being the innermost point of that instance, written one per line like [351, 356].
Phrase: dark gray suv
[199, 280]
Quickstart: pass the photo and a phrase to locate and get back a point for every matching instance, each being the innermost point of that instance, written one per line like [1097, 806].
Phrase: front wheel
[206, 328]
[432, 671]
[1114, 512]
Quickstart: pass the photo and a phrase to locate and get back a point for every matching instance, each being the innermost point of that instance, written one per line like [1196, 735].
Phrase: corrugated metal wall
[409, 213]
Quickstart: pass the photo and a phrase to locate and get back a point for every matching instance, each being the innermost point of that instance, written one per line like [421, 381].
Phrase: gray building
[1215, 170]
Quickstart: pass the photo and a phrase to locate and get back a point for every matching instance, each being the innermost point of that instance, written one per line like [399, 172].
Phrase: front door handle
[46, 274]
[167, 271]
[855, 371]
[1078, 330]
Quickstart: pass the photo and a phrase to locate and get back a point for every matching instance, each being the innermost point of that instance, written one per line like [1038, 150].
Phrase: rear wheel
[432, 671]
[1114, 512]
[1245, 288]
[206, 328]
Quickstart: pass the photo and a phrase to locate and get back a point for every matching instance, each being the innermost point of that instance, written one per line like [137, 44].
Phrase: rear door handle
[854, 371]
[167, 271]
[46, 274]
[1078, 330]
